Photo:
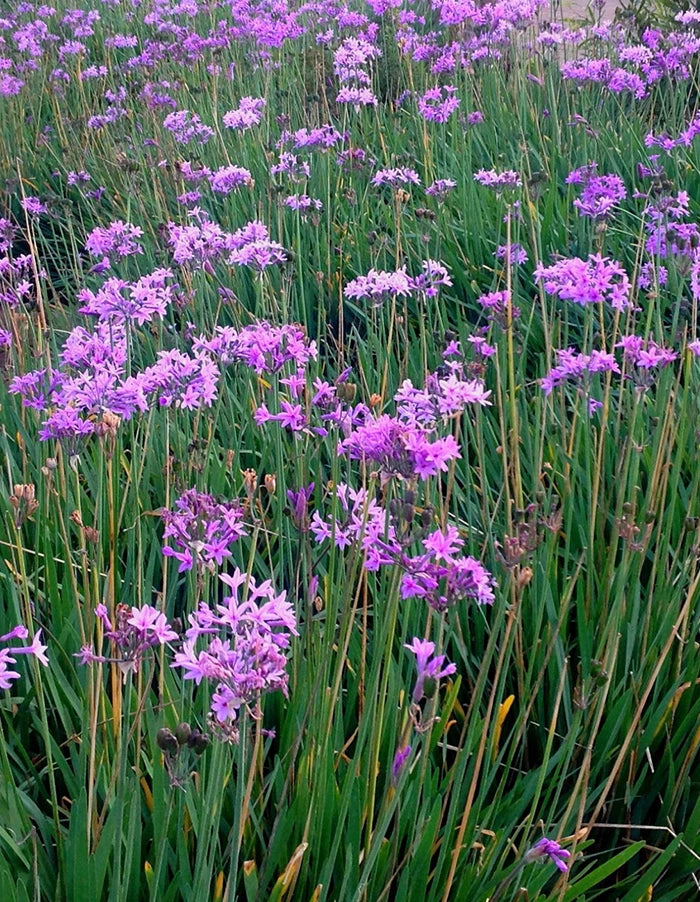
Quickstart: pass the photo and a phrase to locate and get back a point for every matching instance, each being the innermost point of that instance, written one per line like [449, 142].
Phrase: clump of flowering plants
[348, 390]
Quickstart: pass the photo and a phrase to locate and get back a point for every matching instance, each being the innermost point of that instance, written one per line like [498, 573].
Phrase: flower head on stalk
[202, 530]
[133, 632]
[241, 646]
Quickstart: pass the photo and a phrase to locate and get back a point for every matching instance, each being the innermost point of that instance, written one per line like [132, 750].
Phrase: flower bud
[183, 731]
[429, 687]
[166, 741]
[198, 741]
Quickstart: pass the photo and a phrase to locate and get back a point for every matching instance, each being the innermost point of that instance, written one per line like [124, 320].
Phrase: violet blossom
[549, 848]
[430, 667]
[592, 281]
[7, 655]
[202, 530]
[132, 634]
[240, 645]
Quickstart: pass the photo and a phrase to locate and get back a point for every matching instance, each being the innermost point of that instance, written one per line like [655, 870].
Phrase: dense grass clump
[348, 412]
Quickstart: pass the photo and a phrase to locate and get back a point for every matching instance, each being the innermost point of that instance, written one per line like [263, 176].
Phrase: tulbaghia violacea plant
[240, 646]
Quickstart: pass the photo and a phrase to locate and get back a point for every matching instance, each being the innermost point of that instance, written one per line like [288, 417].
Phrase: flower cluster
[352, 61]
[248, 113]
[574, 367]
[600, 194]
[443, 576]
[134, 632]
[438, 104]
[400, 449]
[379, 285]
[440, 574]
[118, 239]
[119, 301]
[186, 127]
[240, 645]
[261, 346]
[592, 281]
[202, 530]
[499, 181]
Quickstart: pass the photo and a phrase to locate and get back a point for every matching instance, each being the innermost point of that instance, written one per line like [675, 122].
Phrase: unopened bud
[23, 501]
[183, 731]
[429, 687]
[523, 577]
[166, 740]
[198, 741]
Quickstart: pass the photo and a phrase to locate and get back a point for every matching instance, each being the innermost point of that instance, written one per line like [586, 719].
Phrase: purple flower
[356, 97]
[150, 624]
[118, 239]
[438, 104]
[591, 281]
[600, 194]
[645, 356]
[396, 177]
[187, 127]
[299, 504]
[434, 275]
[34, 206]
[251, 246]
[440, 188]
[499, 181]
[444, 579]
[196, 243]
[132, 634]
[228, 178]
[303, 204]
[290, 165]
[248, 114]
[514, 253]
[180, 380]
[261, 346]
[202, 530]
[400, 449]
[575, 367]
[551, 849]
[431, 668]
[400, 759]
[7, 655]
[137, 301]
[378, 286]
[245, 640]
